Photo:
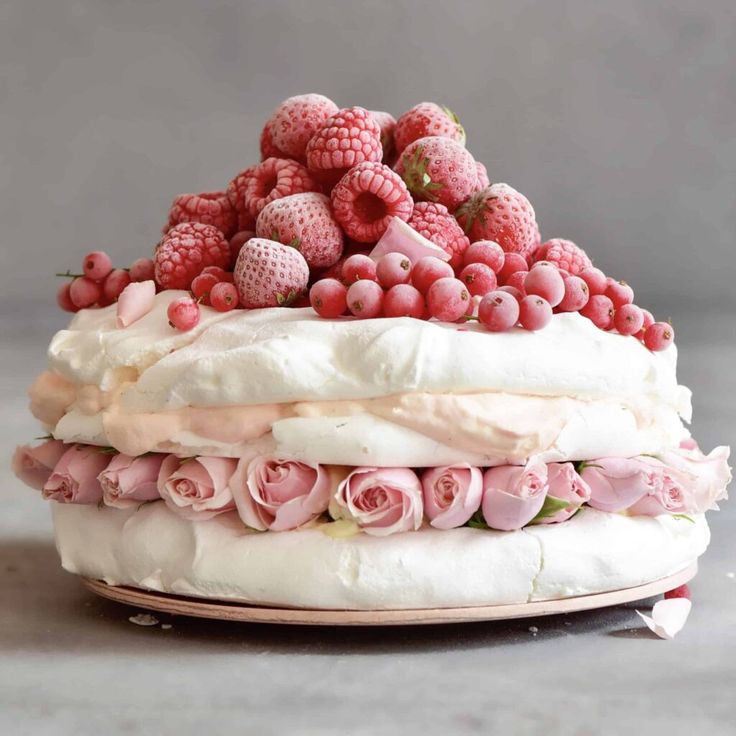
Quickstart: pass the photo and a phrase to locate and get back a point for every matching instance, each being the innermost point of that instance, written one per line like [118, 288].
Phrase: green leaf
[44, 438]
[477, 521]
[295, 243]
[416, 177]
[455, 119]
[280, 299]
[579, 467]
[684, 516]
[550, 507]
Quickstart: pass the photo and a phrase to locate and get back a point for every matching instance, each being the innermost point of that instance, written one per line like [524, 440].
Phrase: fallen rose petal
[668, 617]
[135, 301]
[402, 238]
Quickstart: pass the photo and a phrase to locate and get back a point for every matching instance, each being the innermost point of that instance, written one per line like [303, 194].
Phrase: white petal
[668, 617]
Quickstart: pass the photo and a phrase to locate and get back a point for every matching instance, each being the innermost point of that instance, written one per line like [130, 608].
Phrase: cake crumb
[166, 627]
[534, 630]
[143, 619]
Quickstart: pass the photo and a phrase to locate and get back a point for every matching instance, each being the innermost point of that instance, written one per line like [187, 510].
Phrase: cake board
[235, 611]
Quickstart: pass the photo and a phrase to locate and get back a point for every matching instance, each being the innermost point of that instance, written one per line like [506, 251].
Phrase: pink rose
[33, 465]
[197, 488]
[617, 483]
[566, 485]
[451, 494]
[74, 479]
[669, 496]
[380, 500]
[129, 481]
[279, 494]
[513, 495]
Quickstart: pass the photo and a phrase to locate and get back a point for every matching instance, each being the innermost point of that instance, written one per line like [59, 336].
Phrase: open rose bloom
[513, 495]
[74, 478]
[381, 501]
[197, 488]
[617, 483]
[452, 494]
[565, 485]
[130, 481]
[34, 465]
[279, 495]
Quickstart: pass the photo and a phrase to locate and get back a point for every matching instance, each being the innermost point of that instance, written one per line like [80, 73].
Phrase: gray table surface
[73, 664]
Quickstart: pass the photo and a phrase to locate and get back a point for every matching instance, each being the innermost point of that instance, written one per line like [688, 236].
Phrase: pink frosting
[452, 494]
[566, 485]
[513, 495]
[381, 500]
[129, 481]
[197, 488]
[74, 479]
[617, 483]
[33, 465]
[279, 494]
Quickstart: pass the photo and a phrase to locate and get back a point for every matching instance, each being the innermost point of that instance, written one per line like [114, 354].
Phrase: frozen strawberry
[185, 251]
[427, 119]
[268, 274]
[501, 214]
[251, 190]
[305, 222]
[438, 170]
[209, 208]
[267, 147]
[387, 123]
[296, 120]
[564, 254]
[434, 222]
[483, 180]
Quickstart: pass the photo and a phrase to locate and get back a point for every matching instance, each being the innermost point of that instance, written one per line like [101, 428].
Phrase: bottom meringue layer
[154, 549]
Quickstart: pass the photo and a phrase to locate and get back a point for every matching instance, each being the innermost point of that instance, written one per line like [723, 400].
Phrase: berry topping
[427, 270]
[96, 265]
[237, 242]
[448, 300]
[516, 293]
[142, 269]
[488, 252]
[304, 221]
[512, 263]
[251, 190]
[366, 199]
[434, 222]
[404, 300]
[202, 286]
[564, 254]
[659, 336]
[683, 591]
[224, 296]
[599, 310]
[393, 269]
[576, 295]
[114, 285]
[358, 266]
[595, 279]
[63, 298]
[268, 274]
[183, 313]
[328, 298]
[498, 311]
[387, 123]
[185, 251]
[209, 208]
[619, 292]
[483, 180]
[439, 170]
[535, 312]
[84, 292]
[350, 137]
[517, 281]
[427, 119]
[545, 280]
[648, 321]
[479, 278]
[501, 214]
[365, 299]
[628, 319]
[295, 121]
[266, 145]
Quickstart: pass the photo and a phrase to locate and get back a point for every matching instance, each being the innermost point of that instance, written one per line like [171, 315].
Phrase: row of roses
[275, 495]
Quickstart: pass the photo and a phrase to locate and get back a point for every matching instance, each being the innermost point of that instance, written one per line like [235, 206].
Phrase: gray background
[616, 119]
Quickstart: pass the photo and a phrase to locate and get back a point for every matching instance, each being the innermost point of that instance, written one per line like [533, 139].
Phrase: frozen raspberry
[564, 254]
[365, 299]
[237, 242]
[251, 190]
[659, 336]
[328, 298]
[209, 208]
[434, 222]
[393, 269]
[535, 313]
[448, 300]
[267, 147]
[427, 270]
[439, 170]
[488, 252]
[358, 266]
[501, 214]
[427, 119]
[304, 221]
[498, 311]
[367, 197]
[517, 281]
[387, 123]
[576, 295]
[224, 296]
[96, 265]
[683, 591]
[183, 313]
[628, 319]
[202, 286]
[84, 292]
[619, 292]
[63, 298]
[269, 274]
[483, 180]
[185, 251]
[595, 279]
[599, 310]
[142, 269]
[296, 120]
[114, 284]
[648, 321]
[479, 278]
[545, 280]
[512, 263]
[350, 137]
[404, 300]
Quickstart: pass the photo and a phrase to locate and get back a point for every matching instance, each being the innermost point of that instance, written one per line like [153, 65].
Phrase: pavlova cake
[359, 378]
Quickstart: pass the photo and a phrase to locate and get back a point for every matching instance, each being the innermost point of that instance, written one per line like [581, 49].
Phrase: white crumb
[166, 626]
[143, 619]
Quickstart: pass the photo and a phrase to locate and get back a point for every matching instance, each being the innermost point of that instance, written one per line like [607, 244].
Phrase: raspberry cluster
[319, 208]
